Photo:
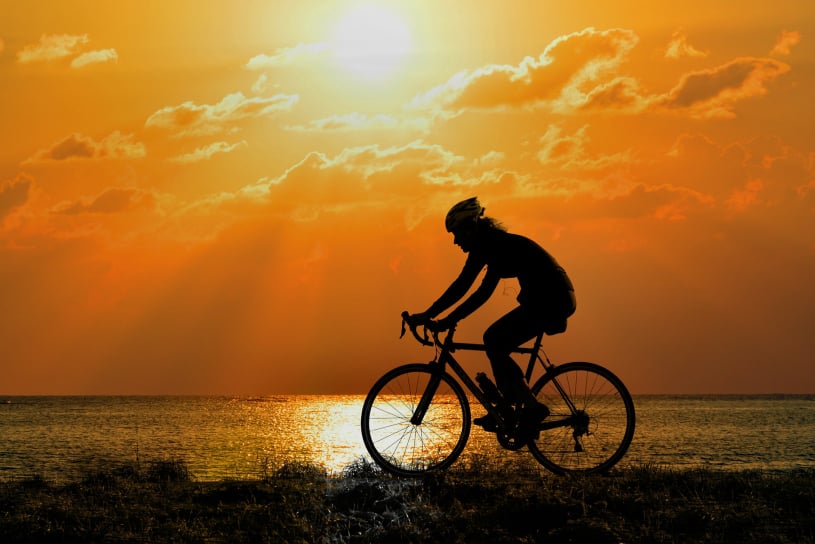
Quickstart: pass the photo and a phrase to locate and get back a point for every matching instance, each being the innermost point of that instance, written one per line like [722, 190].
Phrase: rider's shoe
[487, 422]
[531, 417]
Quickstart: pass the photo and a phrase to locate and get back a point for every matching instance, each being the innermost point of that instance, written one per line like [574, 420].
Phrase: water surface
[239, 437]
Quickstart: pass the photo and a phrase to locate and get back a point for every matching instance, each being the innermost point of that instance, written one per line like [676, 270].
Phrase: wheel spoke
[398, 445]
[602, 426]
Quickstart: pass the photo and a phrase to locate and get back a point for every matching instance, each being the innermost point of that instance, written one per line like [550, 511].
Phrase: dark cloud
[13, 194]
[113, 200]
[79, 147]
[74, 146]
[713, 92]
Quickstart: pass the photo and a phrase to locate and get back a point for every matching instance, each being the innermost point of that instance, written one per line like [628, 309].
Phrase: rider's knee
[493, 340]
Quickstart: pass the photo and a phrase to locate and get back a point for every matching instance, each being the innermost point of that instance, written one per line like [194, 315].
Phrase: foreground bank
[479, 502]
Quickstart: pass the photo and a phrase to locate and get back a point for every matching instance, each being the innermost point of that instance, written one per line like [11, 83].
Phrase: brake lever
[426, 341]
[435, 336]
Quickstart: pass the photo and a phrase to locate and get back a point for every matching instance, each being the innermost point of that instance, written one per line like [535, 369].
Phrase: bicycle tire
[601, 438]
[396, 444]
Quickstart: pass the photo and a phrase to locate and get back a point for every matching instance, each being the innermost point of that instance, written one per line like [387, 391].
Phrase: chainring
[510, 441]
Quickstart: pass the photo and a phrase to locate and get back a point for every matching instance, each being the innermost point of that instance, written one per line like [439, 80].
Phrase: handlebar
[413, 325]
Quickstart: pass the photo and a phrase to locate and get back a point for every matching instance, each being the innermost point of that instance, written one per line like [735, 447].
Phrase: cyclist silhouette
[545, 301]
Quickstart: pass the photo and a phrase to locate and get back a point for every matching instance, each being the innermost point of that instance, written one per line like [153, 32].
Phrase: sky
[210, 197]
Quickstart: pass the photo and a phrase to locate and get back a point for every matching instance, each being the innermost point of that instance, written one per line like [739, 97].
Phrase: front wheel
[591, 423]
[407, 444]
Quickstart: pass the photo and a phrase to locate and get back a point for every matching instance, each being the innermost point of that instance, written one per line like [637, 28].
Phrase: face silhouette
[464, 236]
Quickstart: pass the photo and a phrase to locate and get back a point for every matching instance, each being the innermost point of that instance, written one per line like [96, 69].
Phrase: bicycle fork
[429, 393]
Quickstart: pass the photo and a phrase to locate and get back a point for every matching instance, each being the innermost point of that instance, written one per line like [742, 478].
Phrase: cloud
[192, 119]
[14, 194]
[569, 152]
[114, 200]
[744, 198]
[578, 72]
[364, 121]
[568, 70]
[763, 172]
[787, 39]
[697, 176]
[51, 47]
[572, 184]
[360, 164]
[621, 94]
[261, 84]
[79, 147]
[358, 178]
[679, 47]
[714, 92]
[206, 152]
[699, 180]
[57, 46]
[430, 163]
[288, 55]
[94, 57]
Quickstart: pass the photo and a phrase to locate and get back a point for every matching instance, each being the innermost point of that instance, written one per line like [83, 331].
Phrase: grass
[476, 501]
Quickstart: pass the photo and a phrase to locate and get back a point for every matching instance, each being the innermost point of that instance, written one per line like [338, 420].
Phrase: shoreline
[475, 502]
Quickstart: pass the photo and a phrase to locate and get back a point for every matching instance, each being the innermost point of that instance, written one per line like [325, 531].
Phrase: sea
[64, 438]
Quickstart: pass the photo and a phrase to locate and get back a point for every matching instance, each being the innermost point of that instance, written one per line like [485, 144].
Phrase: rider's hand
[441, 325]
[419, 319]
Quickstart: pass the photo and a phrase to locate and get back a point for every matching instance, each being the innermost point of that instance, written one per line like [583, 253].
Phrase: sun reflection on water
[266, 433]
[319, 430]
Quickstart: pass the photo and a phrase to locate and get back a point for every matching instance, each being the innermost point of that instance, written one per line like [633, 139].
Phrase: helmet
[465, 210]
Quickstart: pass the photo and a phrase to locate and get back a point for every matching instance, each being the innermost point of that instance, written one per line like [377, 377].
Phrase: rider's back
[542, 280]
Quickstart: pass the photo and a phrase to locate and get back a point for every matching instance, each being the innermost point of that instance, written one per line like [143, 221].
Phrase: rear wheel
[396, 440]
[598, 416]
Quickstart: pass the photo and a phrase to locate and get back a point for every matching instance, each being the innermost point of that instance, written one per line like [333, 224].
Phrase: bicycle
[416, 418]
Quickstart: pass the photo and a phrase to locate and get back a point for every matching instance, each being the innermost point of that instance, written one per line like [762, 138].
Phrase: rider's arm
[479, 297]
[458, 288]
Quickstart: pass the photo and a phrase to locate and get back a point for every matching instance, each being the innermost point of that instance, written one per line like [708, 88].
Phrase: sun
[371, 42]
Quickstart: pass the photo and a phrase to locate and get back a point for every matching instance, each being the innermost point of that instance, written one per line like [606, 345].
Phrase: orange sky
[240, 198]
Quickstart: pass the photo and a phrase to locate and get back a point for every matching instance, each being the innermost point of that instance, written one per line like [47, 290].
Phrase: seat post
[538, 341]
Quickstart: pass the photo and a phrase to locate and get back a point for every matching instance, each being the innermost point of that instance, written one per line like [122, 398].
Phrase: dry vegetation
[473, 502]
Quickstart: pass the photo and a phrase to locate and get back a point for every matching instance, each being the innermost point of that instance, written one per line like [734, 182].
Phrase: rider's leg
[510, 331]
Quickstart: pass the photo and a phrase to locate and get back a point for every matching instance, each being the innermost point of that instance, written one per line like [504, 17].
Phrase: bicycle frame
[410, 428]
[445, 358]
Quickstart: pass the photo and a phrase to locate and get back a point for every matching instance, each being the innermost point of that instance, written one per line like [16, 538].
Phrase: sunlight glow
[371, 42]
